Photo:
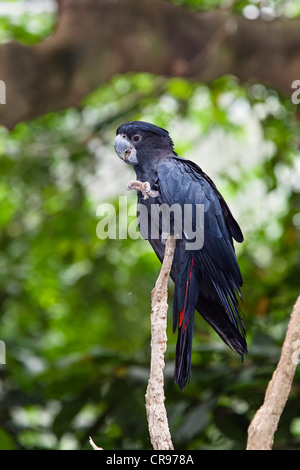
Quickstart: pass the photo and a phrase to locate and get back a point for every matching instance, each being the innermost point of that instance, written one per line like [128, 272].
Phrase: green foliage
[251, 9]
[74, 309]
[18, 22]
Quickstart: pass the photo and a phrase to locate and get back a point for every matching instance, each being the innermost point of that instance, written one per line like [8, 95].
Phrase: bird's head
[136, 138]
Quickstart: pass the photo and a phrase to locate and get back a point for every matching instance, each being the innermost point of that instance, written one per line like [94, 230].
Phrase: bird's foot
[145, 188]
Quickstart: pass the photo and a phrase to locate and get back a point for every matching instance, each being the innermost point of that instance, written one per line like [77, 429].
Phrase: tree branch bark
[155, 408]
[96, 39]
[264, 424]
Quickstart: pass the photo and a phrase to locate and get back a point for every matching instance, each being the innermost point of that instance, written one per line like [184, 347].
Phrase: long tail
[194, 290]
[185, 298]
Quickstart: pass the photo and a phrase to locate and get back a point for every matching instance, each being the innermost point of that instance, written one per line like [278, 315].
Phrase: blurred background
[75, 310]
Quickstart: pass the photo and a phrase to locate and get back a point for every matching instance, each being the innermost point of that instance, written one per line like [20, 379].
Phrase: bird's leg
[145, 188]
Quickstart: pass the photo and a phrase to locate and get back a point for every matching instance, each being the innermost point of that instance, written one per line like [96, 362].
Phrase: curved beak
[121, 146]
[125, 150]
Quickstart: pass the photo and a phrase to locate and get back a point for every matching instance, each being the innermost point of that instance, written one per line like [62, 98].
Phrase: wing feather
[183, 182]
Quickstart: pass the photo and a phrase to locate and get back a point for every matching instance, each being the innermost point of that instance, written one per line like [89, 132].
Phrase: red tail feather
[182, 312]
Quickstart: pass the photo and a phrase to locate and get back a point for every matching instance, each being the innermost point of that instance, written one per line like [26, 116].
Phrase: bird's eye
[136, 138]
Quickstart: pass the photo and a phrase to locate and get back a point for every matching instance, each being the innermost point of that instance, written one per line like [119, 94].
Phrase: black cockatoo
[208, 277]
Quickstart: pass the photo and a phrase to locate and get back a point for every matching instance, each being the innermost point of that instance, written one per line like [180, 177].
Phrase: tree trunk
[96, 39]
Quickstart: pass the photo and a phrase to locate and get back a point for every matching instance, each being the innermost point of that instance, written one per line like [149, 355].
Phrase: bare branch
[264, 424]
[156, 411]
[94, 446]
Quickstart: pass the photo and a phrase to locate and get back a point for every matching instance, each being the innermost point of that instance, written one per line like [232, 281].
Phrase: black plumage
[208, 278]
